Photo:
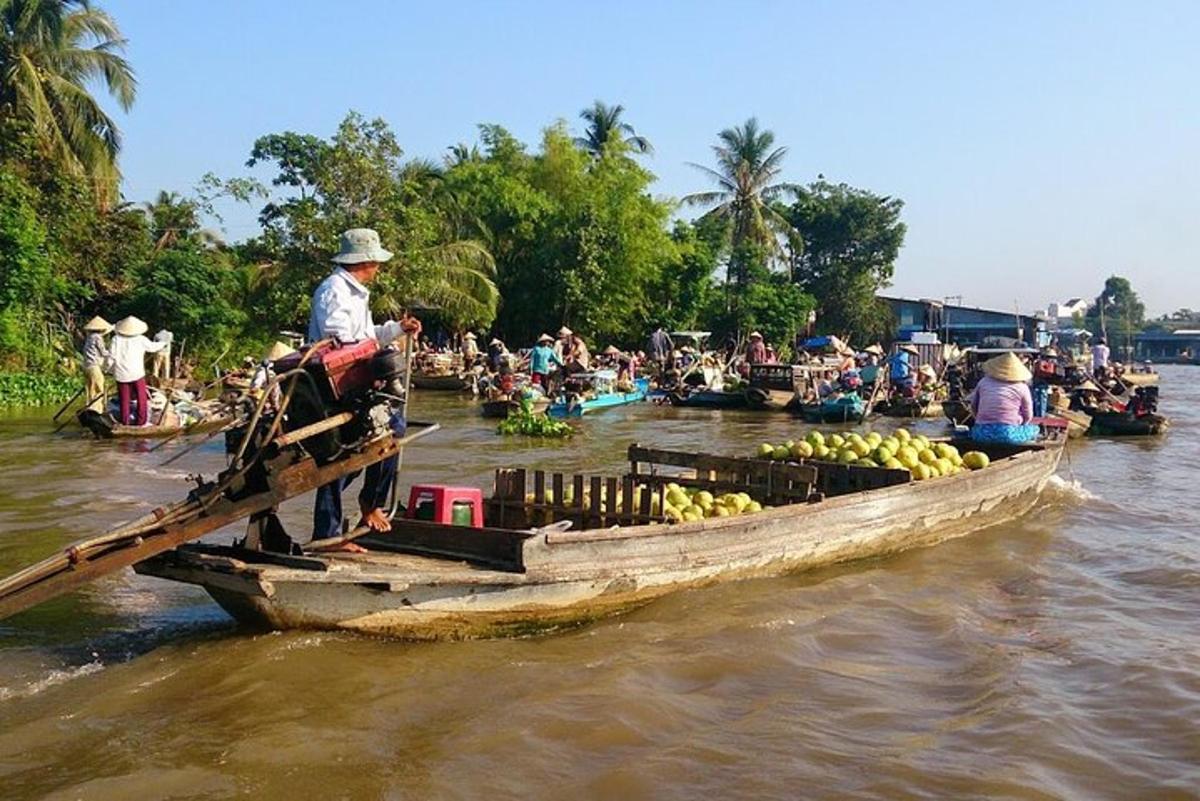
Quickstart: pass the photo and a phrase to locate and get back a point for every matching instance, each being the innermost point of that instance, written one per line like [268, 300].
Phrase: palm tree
[175, 219]
[49, 51]
[746, 177]
[604, 124]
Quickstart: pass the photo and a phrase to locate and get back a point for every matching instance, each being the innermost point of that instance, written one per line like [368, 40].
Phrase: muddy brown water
[1056, 657]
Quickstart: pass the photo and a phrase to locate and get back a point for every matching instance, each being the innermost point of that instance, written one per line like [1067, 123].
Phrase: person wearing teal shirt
[540, 359]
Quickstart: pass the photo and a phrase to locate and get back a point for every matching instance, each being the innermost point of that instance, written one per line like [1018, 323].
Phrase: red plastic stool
[453, 506]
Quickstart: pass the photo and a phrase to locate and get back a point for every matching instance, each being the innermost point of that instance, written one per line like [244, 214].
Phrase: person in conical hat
[541, 359]
[128, 350]
[277, 351]
[96, 360]
[265, 372]
[756, 349]
[1002, 402]
[469, 349]
[341, 311]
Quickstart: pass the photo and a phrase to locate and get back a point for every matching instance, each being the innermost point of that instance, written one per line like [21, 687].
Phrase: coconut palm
[50, 50]
[748, 168]
[174, 219]
[604, 124]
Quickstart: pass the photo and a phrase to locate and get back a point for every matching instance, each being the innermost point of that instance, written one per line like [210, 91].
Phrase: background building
[963, 325]
[1182, 346]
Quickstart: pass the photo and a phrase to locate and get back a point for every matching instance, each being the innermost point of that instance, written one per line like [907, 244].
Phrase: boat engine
[357, 378]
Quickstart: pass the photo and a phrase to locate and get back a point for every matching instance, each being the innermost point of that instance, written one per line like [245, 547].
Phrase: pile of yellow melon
[899, 450]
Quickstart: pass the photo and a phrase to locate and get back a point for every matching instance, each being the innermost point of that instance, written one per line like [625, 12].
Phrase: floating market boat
[578, 556]
[444, 382]
[500, 409]
[1133, 379]
[912, 408]
[774, 387]
[849, 407]
[1126, 424]
[103, 426]
[707, 399]
[602, 393]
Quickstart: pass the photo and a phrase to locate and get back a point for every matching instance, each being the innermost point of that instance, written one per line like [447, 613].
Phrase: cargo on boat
[556, 550]
[103, 426]
[587, 392]
[775, 387]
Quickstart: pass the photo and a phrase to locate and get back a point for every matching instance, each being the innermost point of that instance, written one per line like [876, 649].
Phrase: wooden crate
[594, 502]
[769, 482]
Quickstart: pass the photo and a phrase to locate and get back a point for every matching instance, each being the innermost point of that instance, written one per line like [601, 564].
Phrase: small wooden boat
[1132, 379]
[103, 426]
[500, 409]
[707, 399]
[773, 387]
[604, 394]
[912, 408]
[1125, 424]
[521, 573]
[1078, 422]
[441, 382]
[845, 409]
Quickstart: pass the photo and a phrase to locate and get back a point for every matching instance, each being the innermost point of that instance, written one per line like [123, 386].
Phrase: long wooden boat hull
[708, 399]
[1140, 379]
[499, 409]
[1078, 422]
[1120, 424]
[773, 400]
[569, 578]
[442, 383]
[911, 409]
[104, 427]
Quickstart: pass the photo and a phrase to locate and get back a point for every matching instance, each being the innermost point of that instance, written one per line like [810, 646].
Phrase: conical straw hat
[99, 325]
[1007, 367]
[277, 351]
[131, 327]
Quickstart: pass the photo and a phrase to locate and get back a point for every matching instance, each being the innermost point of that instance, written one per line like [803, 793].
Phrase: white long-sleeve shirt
[341, 309]
[129, 357]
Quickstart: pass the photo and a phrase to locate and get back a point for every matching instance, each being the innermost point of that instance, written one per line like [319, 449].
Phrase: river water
[1056, 657]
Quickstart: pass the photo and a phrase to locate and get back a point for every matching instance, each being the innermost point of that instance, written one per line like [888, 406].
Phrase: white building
[1065, 312]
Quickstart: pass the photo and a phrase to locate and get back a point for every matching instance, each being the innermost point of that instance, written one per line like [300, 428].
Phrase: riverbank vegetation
[498, 235]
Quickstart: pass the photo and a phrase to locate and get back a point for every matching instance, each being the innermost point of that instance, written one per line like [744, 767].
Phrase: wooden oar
[67, 405]
[86, 404]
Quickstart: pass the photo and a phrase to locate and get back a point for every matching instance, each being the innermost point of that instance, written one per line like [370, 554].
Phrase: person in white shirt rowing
[341, 310]
[128, 351]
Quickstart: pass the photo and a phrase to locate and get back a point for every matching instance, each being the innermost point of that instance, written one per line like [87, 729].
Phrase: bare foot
[343, 547]
[376, 520]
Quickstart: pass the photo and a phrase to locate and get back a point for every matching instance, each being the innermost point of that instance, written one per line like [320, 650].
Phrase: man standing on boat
[661, 347]
[341, 310]
[96, 360]
[1100, 354]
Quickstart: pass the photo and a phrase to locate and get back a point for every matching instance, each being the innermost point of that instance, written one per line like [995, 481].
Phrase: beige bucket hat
[277, 351]
[360, 245]
[1007, 367]
[131, 327]
[98, 325]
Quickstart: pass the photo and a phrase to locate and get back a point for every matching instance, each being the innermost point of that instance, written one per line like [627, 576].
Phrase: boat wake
[51, 679]
[1072, 489]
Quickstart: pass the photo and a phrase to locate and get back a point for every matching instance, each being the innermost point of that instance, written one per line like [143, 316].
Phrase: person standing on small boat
[96, 360]
[868, 370]
[341, 310]
[900, 371]
[1002, 403]
[576, 356]
[1100, 354]
[160, 362]
[661, 347]
[469, 350]
[540, 359]
[129, 349]
[756, 349]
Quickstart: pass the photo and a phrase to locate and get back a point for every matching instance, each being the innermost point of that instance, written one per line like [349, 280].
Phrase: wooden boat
[103, 426]
[910, 408]
[443, 382]
[773, 387]
[1124, 424]
[605, 395]
[520, 573]
[707, 399]
[1132, 379]
[499, 409]
[845, 409]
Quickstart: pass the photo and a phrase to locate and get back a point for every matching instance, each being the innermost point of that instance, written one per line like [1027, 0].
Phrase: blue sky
[1039, 146]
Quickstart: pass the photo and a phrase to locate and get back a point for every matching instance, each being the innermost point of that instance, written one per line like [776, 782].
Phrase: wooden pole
[67, 405]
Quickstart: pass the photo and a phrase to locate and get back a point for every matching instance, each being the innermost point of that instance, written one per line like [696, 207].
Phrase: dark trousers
[327, 513]
[133, 392]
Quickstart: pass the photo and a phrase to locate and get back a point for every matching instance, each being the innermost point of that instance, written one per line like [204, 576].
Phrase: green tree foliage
[850, 240]
[27, 283]
[357, 179]
[604, 125]
[577, 240]
[1117, 312]
[50, 52]
[191, 290]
